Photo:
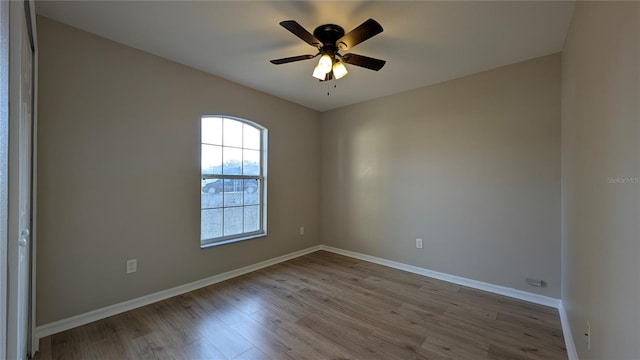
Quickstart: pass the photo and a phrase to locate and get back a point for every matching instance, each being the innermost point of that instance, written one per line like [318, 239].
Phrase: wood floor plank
[223, 337]
[321, 306]
[305, 341]
[449, 347]
[252, 354]
[334, 331]
[199, 349]
[267, 341]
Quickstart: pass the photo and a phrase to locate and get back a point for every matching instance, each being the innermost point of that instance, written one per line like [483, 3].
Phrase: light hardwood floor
[322, 306]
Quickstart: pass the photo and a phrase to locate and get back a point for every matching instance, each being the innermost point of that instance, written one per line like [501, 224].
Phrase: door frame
[21, 15]
[34, 342]
[4, 167]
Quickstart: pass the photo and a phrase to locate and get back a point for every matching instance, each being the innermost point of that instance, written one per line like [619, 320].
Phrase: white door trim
[4, 163]
[34, 344]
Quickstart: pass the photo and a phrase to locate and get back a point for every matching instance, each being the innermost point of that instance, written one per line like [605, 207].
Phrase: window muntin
[232, 205]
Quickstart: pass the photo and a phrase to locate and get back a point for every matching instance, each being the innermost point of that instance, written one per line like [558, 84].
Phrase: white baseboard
[496, 289]
[566, 331]
[91, 316]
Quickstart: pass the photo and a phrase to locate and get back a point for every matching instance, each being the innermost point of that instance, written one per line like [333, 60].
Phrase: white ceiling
[424, 42]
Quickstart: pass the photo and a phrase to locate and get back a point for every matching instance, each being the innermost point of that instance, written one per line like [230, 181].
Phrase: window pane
[211, 195]
[210, 224]
[251, 137]
[211, 131]
[232, 192]
[232, 133]
[232, 221]
[211, 161]
[232, 161]
[251, 192]
[251, 218]
[251, 162]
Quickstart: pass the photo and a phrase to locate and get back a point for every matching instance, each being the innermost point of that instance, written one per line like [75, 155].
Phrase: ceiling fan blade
[363, 61]
[292, 59]
[301, 32]
[366, 30]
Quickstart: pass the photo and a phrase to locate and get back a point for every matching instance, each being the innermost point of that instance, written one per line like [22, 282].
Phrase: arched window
[233, 167]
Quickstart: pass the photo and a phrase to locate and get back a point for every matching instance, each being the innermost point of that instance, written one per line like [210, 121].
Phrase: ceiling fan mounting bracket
[328, 34]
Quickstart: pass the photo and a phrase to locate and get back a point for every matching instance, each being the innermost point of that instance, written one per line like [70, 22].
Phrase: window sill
[231, 241]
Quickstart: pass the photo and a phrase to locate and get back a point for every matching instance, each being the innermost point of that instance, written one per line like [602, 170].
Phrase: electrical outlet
[419, 243]
[132, 266]
[587, 336]
[301, 230]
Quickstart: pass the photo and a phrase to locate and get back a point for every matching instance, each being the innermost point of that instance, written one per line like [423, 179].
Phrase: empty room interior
[321, 180]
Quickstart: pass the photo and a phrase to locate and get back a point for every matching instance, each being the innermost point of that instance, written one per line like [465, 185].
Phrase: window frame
[261, 179]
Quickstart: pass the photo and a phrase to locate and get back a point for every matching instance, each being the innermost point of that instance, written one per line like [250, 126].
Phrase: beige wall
[472, 166]
[600, 137]
[118, 167]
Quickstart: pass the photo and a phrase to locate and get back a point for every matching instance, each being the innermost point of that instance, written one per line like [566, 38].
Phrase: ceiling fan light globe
[318, 73]
[339, 70]
[325, 63]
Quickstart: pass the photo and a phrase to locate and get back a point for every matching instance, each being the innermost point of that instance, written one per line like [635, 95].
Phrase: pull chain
[329, 88]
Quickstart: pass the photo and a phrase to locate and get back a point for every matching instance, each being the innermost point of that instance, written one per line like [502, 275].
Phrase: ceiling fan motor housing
[329, 35]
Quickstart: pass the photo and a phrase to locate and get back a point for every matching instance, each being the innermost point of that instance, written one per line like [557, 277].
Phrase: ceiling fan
[329, 39]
